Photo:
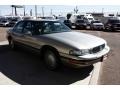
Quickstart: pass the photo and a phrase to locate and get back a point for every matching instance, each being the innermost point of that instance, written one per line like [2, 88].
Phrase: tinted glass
[114, 21]
[37, 28]
[79, 17]
[90, 18]
[19, 27]
[80, 21]
[27, 27]
[54, 27]
[95, 22]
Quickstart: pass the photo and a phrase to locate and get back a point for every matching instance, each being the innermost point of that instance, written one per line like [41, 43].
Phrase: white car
[96, 24]
[4, 23]
[57, 43]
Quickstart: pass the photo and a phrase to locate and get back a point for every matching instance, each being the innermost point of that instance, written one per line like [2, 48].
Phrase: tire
[108, 29]
[12, 44]
[51, 60]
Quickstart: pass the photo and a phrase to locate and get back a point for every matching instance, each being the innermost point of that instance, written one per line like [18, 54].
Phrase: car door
[17, 32]
[33, 39]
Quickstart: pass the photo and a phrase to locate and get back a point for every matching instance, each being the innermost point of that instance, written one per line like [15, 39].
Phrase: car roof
[40, 20]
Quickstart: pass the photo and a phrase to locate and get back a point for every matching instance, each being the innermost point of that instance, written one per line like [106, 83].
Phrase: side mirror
[28, 33]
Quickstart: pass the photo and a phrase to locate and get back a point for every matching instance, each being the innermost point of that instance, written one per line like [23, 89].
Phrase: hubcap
[50, 60]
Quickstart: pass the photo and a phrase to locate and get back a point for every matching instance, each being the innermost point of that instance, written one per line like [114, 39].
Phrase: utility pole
[36, 11]
[15, 7]
[15, 11]
[12, 11]
[51, 12]
[0, 13]
[102, 10]
[31, 12]
[43, 11]
[24, 11]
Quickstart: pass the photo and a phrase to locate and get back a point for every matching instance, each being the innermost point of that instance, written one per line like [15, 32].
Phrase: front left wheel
[51, 60]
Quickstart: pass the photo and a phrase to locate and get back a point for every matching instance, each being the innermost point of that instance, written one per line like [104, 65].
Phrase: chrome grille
[98, 48]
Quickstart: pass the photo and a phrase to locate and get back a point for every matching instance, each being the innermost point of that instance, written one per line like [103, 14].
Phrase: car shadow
[27, 68]
[112, 31]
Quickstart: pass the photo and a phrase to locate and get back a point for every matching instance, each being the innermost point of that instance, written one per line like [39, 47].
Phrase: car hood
[77, 39]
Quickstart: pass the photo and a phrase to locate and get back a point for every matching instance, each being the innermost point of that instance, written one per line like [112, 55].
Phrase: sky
[60, 9]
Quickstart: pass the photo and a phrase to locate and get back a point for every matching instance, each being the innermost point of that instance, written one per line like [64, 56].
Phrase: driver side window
[19, 27]
[27, 27]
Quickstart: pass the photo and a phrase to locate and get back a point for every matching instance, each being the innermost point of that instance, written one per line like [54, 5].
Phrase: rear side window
[27, 27]
[34, 27]
[37, 28]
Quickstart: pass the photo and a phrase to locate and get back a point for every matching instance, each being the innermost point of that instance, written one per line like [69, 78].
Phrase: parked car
[61, 18]
[96, 24]
[74, 18]
[68, 23]
[4, 22]
[112, 24]
[13, 21]
[80, 24]
[57, 43]
[88, 18]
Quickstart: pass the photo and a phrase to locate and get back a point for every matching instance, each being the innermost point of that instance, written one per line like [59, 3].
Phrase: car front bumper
[86, 60]
[116, 28]
[98, 27]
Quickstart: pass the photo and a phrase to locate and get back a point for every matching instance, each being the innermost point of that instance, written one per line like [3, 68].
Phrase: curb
[3, 79]
[92, 79]
[3, 42]
[95, 74]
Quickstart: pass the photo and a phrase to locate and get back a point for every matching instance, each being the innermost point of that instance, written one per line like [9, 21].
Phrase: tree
[69, 15]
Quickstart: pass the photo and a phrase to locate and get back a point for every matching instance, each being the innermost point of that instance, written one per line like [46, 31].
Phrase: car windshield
[79, 17]
[114, 21]
[80, 21]
[4, 21]
[15, 19]
[67, 21]
[90, 18]
[54, 27]
[96, 22]
[47, 17]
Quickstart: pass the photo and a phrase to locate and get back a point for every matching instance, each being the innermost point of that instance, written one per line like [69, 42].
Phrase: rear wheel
[51, 60]
[109, 29]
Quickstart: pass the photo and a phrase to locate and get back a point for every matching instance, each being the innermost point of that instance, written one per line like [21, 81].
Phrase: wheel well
[47, 47]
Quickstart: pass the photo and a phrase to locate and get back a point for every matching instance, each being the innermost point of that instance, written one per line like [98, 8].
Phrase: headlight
[79, 52]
